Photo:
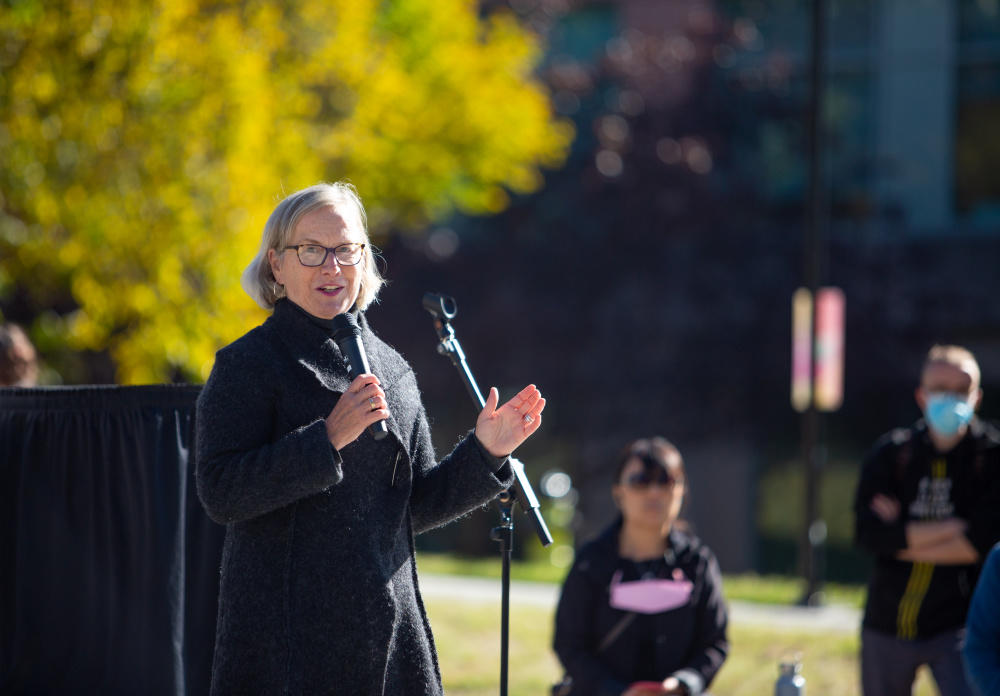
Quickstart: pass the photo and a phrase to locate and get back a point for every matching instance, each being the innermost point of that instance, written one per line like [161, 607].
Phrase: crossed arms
[942, 542]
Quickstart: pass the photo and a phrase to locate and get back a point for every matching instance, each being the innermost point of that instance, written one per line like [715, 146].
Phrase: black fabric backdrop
[109, 567]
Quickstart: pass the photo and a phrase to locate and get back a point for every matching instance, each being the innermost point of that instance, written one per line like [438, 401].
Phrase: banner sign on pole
[829, 353]
[818, 371]
[801, 349]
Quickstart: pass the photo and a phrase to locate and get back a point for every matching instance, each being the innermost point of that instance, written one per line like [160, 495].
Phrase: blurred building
[912, 104]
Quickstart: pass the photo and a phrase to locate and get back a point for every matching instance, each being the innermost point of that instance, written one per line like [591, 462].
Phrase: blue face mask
[947, 413]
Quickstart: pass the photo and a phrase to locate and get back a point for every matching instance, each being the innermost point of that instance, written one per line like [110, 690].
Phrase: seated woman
[641, 610]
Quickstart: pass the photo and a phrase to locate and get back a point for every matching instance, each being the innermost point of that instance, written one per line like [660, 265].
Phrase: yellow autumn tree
[143, 144]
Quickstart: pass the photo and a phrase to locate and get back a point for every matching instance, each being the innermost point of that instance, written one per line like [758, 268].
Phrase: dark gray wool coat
[319, 587]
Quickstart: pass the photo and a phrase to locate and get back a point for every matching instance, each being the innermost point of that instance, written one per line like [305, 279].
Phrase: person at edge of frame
[981, 650]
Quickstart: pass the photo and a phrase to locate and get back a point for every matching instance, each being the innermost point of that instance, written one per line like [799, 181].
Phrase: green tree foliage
[144, 144]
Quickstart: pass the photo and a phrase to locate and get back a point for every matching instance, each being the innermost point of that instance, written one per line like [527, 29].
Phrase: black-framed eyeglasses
[315, 254]
[641, 480]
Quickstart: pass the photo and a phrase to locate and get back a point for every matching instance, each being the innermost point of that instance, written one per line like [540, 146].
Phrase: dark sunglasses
[642, 480]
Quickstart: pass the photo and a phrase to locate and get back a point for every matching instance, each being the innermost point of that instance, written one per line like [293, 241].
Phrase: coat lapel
[310, 347]
[384, 364]
[318, 354]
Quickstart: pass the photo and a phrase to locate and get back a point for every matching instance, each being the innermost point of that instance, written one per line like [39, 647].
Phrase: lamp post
[813, 536]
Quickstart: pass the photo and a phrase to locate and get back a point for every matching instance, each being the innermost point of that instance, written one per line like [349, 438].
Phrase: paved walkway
[827, 618]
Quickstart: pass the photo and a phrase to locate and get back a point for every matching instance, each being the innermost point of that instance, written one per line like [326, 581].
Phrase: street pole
[813, 534]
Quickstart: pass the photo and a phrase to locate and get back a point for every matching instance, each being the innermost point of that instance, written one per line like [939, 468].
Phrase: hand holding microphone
[363, 404]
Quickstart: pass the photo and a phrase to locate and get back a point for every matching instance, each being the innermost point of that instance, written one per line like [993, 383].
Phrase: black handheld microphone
[348, 337]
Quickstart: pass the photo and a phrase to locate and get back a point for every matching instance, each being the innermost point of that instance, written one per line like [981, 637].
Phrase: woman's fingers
[368, 395]
[361, 381]
[372, 391]
[501, 430]
[374, 404]
[530, 408]
[538, 406]
[491, 401]
[527, 417]
[533, 418]
[525, 399]
[363, 404]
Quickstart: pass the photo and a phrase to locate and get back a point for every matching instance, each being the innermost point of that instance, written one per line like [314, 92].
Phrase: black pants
[889, 664]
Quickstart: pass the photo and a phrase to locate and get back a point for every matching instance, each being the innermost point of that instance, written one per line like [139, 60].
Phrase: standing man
[928, 508]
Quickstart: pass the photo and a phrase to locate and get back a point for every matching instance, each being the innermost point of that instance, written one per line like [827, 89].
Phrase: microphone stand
[443, 309]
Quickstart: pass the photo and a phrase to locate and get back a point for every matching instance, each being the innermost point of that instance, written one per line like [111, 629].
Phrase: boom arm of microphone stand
[525, 496]
[522, 491]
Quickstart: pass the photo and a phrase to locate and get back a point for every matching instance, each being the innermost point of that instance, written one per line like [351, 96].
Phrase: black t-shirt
[645, 655]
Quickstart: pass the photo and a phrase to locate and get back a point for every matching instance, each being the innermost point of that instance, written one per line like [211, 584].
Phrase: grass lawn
[769, 589]
[468, 642]
[468, 637]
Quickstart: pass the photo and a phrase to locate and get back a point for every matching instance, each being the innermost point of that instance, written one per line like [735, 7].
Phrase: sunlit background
[613, 192]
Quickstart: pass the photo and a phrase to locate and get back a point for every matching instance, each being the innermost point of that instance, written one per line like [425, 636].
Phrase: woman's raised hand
[501, 430]
[361, 405]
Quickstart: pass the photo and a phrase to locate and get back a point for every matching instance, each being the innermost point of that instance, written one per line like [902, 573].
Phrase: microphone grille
[345, 325]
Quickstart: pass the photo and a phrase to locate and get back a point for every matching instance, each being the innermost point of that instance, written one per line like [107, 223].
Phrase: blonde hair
[960, 357]
[258, 279]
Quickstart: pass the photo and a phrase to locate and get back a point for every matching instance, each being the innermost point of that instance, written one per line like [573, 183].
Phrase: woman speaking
[319, 587]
